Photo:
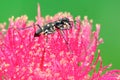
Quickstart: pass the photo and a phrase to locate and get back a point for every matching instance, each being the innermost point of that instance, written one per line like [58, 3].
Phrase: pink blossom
[49, 57]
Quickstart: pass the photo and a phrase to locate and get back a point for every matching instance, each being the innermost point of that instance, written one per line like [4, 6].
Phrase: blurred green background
[105, 12]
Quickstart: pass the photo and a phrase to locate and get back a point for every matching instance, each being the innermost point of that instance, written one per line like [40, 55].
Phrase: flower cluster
[49, 57]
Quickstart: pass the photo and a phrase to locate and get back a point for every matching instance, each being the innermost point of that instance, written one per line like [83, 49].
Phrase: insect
[61, 24]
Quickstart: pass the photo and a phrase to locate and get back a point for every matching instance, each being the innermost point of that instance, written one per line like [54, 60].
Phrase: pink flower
[49, 57]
